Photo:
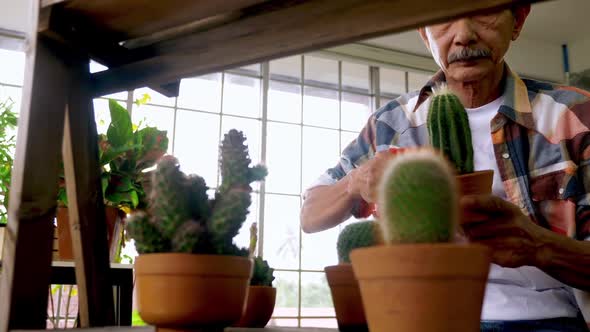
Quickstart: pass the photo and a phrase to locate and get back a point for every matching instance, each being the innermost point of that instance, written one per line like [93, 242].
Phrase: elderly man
[536, 138]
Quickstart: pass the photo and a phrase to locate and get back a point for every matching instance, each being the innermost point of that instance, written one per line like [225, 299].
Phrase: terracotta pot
[346, 296]
[422, 287]
[186, 291]
[65, 238]
[260, 304]
[479, 182]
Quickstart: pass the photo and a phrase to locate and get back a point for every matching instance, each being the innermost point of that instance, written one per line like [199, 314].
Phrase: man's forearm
[565, 259]
[326, 206]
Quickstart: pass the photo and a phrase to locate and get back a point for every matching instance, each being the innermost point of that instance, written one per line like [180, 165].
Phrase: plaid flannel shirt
[541, 138]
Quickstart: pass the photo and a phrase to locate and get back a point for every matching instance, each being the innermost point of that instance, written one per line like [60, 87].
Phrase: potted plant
[343, 284]
[189, 273]
[125, 152]
[420, 280]
[8, 120]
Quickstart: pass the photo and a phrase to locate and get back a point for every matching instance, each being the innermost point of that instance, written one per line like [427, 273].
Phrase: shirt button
[561, 190]
[505, 155]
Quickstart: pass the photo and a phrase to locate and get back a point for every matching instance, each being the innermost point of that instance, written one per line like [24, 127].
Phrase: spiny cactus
[448, 127]
[263, 273]
[418, 200]
[356, 235]
[182, 218]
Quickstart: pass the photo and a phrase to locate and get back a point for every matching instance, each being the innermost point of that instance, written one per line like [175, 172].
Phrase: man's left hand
[501, 225]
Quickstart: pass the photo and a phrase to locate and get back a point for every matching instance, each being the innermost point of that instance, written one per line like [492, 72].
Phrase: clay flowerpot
[346, 296]
[65, 251]
[422, 287]
[475, 183]
[260, 304]
[178, 291]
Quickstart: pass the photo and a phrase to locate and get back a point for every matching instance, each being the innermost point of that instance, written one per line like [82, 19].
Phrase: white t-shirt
[514, 293]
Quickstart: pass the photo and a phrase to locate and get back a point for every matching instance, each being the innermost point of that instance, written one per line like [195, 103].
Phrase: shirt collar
[516, 105]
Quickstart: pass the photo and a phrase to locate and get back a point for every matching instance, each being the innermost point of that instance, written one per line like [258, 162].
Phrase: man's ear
[422, 32]
[520, 14]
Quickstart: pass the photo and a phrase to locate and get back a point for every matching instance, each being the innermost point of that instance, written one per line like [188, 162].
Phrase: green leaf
[120, 131]
[145, 98]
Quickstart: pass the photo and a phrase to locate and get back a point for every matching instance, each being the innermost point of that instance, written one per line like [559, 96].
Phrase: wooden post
[85, 202]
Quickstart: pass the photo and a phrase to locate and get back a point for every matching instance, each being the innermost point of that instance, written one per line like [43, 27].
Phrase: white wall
[579, 53]
[14, 14]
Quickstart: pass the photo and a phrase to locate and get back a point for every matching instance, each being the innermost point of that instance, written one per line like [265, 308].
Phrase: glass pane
[392, 81]
[319, 322]
[281, 231]
[250, 128]
[252, 69]
[321, 70]
[15, 94]
[320, 107]
[417, 80]
[196, 147]
[284, 102]
[102, 115]
[316, 299]
[355, 76]
[320, 152]
[283, 158]
[119, 96]
[12, 67]
[96, 67]
[241, 96]
[201, 93]
[287, 285]
[356, 110]
[155, 98]
[318, 250]
[155, 116]
[286, 69]
[346, 138]
[286, 322]
[242, 240]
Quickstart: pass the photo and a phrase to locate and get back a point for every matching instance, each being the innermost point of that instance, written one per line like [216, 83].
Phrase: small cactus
[356, 235]
[449, 131]
[263, 274]
[418, 200]
[181, 217]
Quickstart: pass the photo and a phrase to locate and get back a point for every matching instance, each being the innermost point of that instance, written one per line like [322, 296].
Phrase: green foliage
[8, 120]
[263, 273]
[356, 235]
[184, 218]
[418, 199]
[448, 127]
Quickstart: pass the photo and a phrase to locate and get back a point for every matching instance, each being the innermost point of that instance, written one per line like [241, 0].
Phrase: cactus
[418, 200]
[449, 131]
[181, 217]
[263, 274]
[356, 235]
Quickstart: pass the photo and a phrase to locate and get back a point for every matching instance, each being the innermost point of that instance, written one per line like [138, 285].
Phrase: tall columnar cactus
[356, 235]
[418, 200]
[181, 217]
[448, 127]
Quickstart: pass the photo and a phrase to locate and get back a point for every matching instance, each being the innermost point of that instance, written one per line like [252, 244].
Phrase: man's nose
[465, 34]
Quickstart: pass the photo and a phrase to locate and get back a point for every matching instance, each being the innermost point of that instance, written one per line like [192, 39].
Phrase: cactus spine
[449, 131]
[356, 235]
[181, 217]
[418, 200]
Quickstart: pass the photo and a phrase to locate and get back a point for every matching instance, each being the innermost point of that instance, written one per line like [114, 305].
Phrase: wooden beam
[28, 244]
[85, 202]
[288, 27]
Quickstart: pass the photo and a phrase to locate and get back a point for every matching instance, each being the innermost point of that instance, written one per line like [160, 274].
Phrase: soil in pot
[187, 291]
[347, 299]
[260, 304]
[422, 287]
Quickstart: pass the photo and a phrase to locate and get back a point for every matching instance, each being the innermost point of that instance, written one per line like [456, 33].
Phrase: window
[315, 107]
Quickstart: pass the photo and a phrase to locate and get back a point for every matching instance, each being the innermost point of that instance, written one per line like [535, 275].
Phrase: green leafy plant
[181, 218]
[356, 235]
[449, 131]
[8, 120]
[418, 199]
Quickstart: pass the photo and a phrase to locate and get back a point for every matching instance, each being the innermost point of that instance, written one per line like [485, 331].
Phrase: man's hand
[364, 180]
[514, 239]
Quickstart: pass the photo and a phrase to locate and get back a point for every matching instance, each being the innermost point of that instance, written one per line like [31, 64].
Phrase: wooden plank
[29, 238]
[85, 203]
[293, 27]
[136, 18]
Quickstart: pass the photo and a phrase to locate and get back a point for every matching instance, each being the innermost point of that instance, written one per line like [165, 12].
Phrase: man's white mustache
[466, 54]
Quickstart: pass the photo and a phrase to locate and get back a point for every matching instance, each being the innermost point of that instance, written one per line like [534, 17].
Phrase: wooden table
[144, 43]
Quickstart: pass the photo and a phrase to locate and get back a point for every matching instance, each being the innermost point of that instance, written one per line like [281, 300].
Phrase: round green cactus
[448, 127]
[356, 235]
[418, 199]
